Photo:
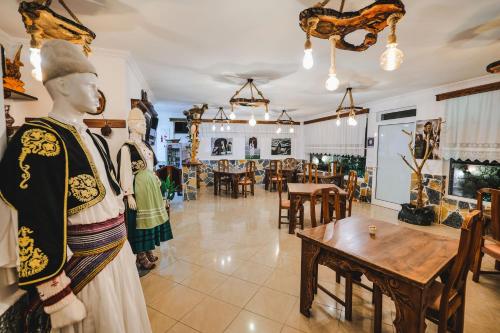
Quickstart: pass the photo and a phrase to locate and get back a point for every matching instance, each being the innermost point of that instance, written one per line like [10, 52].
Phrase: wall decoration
[252, 150]
[431, 128]
[222, 146]
[370, 142]
[11, 69]
[281, 146]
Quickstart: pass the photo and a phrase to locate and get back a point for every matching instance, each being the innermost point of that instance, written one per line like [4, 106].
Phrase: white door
[393, 175]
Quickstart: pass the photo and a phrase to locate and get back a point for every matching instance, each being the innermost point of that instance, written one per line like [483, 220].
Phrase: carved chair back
[223, 165]
[333, 168]
[275, 168]
[290, 163]
[310, 173]
[250, 170]
[324, 195]
[495, 209]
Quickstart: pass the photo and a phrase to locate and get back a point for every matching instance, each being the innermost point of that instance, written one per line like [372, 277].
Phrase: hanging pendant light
[392, 58]
[252, 122]
[232, 115]
[349, 111]
[332, 83]
[278, 130]
[222, 119]
[213, 126]
[338, 122]
[253, 102]
[284, 119]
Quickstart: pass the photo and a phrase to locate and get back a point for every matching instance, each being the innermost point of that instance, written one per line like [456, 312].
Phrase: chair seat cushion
[285, 203]
[436, 292]
[491, 249]
[276, 178]
[245, 181]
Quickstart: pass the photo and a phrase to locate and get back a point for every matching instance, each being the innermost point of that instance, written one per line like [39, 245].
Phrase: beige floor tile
[178, 301]
[235, 291]
[221, 263]
[211, 316]
[248, 322]
[179, 271]
[154, 286]
[204, 280]
[323, 319]
[272, 304]
[253, 272]
[284, 281]
[288, 329]
[181, 328]
[160, 323]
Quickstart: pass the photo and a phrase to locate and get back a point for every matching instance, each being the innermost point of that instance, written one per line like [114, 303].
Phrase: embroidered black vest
[47, 174]
[138, 161]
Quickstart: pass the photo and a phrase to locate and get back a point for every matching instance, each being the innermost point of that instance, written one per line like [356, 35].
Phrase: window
[468, 177]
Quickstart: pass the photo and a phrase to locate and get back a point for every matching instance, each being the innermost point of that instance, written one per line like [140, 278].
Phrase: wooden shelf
[16, 95]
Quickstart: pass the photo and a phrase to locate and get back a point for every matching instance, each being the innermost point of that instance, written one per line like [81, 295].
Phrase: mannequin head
[75, 92]
[137, 123]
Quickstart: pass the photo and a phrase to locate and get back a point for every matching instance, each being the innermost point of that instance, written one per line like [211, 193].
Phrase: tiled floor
[229, 269]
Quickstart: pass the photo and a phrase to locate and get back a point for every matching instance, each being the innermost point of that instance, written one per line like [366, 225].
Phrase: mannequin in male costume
[72, 242]
[147, 217]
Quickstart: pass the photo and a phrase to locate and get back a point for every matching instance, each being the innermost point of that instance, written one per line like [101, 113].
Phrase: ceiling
[195, 51]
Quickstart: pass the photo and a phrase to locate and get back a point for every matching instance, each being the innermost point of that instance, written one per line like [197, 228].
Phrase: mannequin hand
[131, 202]
[72, 313]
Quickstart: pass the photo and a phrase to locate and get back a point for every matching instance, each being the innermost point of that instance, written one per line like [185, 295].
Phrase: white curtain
[472, 127]
[325, 137]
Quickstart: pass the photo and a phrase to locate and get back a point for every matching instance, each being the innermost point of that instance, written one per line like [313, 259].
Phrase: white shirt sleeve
[126, 175]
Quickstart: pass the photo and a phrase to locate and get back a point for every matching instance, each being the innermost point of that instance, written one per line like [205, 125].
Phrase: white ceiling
[196, 51]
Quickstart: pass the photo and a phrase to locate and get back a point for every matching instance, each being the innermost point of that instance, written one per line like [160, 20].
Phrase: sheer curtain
[472, 127]
[325, 137]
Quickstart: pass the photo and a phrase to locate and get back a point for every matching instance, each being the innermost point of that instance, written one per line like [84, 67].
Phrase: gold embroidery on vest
[36, 141]
[83, 187]
[138, 165]
[32, 259]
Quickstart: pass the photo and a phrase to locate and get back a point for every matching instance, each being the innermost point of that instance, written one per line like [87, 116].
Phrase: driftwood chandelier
[285, 120]
[221, 118]
[42, 23]
[253, 101]
[327, 23]
[351, 109]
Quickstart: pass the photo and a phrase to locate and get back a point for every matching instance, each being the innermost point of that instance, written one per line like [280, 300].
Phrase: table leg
[293, 214]
[266, 180]
[309, 260]
[234, 179]
[410, 307]
[216, 183]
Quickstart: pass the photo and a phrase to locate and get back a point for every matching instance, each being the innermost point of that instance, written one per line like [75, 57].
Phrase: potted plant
[417, 213]
[168, 191]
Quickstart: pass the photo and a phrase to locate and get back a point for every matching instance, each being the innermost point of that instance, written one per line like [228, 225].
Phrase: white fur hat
[136, 114]
[61, 58]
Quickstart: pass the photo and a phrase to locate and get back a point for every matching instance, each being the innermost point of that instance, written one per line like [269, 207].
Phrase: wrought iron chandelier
[351, 109]
[221, 118]
[327, 23]
[42, 23]
[253, 101]
[285, 120]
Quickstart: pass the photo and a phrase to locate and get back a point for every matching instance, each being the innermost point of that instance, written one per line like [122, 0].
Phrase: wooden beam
[98, 123]
[241, 121]
[342, 115]
[469, 91]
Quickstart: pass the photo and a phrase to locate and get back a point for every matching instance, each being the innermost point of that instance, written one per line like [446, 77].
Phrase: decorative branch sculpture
[417, 168]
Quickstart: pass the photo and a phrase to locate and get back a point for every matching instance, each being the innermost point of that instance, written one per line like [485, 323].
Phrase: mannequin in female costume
[147, 217]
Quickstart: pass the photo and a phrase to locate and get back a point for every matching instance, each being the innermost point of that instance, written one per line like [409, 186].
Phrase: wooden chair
[290, 163]
[448, 297]
[286, 204]
[352, 182]
[333, 167]
[275, 174]
[310, 173]
[324, 194]
[490, 244]
[248, 179]
[223, 165]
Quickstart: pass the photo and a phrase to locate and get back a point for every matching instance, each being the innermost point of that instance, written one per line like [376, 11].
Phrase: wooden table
[401, 261]
[326, 178]
[290, 174]
[235, 175]
[303, 191]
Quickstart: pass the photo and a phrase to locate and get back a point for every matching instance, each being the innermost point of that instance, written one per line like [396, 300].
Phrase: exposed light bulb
[232, 116]
[252, 122]
[308, 60]
[213, 128]
[36, 61]
[291, 130]
[338, 122]
[392, 57]
[352, 121]
[332, 83]
[278, 131]
[228, 127]
[222, 128]
[266, 115]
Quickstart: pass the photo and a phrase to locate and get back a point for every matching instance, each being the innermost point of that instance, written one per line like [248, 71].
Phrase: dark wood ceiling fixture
[221, 118]
[285, 119]
[494, 67]
[335, 25]
[253, 101]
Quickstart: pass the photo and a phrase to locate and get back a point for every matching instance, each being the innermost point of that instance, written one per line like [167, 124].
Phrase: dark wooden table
[235, 175]
[290, 174]
[401, 261]
[303, 191]
[326, 178]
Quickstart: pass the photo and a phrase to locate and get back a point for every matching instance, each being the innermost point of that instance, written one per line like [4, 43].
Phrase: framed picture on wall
[431, 127]
[252, 149]
[370, 142]
[281, 146]
[222, 146]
